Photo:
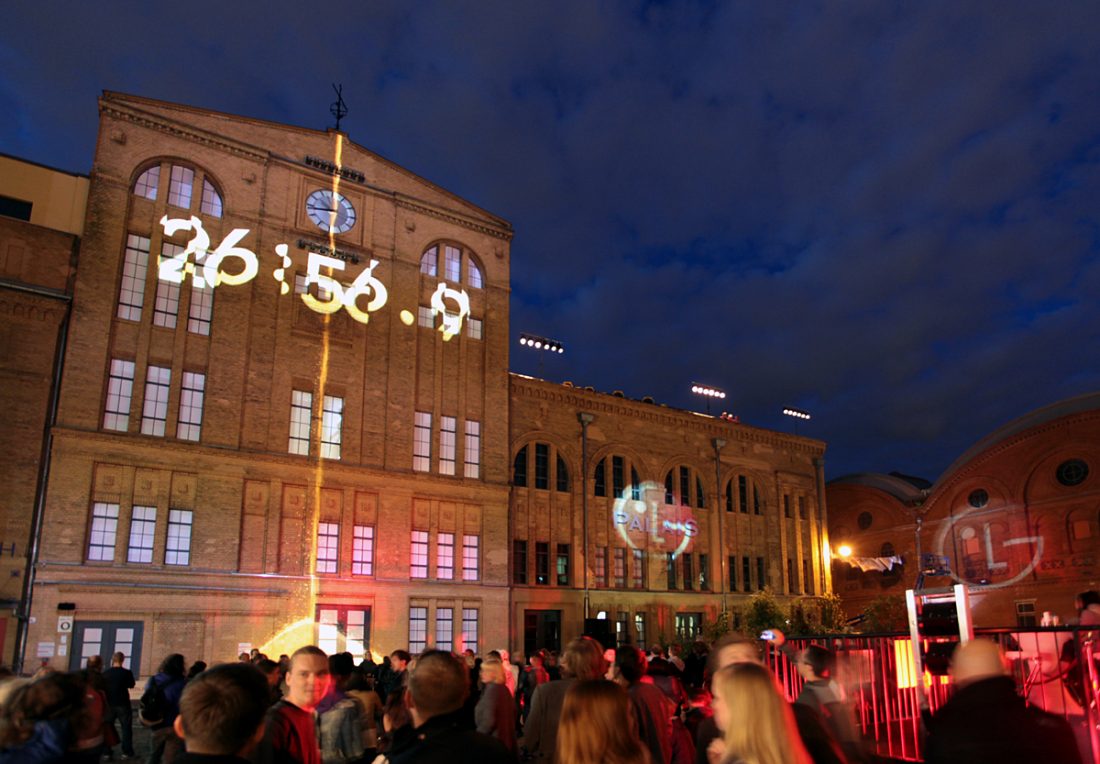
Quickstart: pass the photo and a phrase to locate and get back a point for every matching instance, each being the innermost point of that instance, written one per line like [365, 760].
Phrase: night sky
[887, 214]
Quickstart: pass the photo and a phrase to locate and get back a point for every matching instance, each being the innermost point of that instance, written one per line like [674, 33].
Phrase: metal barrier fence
[1056, 669]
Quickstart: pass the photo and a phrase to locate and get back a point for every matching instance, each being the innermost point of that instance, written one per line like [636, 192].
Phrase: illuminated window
[154, 413]
[178, 550]
[362, 550]
[447, 437]
[704, 573]
[622, 622]
[542, 563]
[191, 397]
[469, 629]
[639, 630]
[689, 573]
[444, 628]
[332, 422]
[809, 583]
[143, 524]
[637, 571]
[563, 565]
[418, 629]
[135, 264]
[601, 566]
[101, 539]
[542, 466]
[167, 303]
[670, 570]
[422, 442]
[179, 186]
[452, 261]
[428, 261]
[418, 555]
[120, 386]
[561, 474]
[301, 408]
[619, 567]
[211, 200]
[473, 328]
[445, 556]
[147, 182]
[472, 451]
[599, 480]
[201, 310]
[425, 317]
[618, 480]
[341, 629]
[761, 582]
[328, 546]
[688, 626]
[470, 565]
[519, 468]
[475, 279]
[519, 562]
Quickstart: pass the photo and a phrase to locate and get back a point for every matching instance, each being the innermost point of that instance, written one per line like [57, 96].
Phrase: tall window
[120, 386]
[422, 442]
[444, 628]
[470, 565]
[619, 567]
[731, 562]
[143, 524]
[474, 328]
[622, 623]
[638, 570]
[472, 452]
[639, 630]
[332, 420]
[601, 566]
[101, 538]
[178, 550]
[760, 580]
[746, 583]
[542, 466]
[786, 505]
[447, 425]
[729, 496]
[757, 505]
[792, 582]
[802, 507]
[685, 486]
[809, 582]
[563, 565]
[519, 469]
[362, 550]
[301, 407]
[429, 261]
[474, 276]
[155, 411]
[179, 188]
[670, 567]
[599, 479]
[445, 556]
[469, 628]
[689, 573]
[131, 294]
[561, 473]
[418, 556]
[618, 479]
[340, 628]
[146, 185]
[542, 563]
[167, 304]
[418, 629]
[189, 426]
[211, 201]
[201, 311]
[704, 573]
[519, 562]
[743, 493]
[328, 546]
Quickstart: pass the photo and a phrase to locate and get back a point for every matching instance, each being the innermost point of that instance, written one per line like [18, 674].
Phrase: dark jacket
[207, 758]
[118, 682]
[653, 714]
[495, 715]
[540, 733]
[172, 687]
[987, 722]
[443, 740]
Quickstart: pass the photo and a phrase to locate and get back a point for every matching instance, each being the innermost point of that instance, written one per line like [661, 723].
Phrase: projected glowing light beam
[650, 523]
[452, 322]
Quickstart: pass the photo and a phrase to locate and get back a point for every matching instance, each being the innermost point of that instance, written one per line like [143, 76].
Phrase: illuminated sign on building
[649, 523]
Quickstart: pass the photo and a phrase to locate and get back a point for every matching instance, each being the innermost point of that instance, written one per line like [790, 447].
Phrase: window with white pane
[120, 386]
[469, 558]
[180, 186]
[154, 412]
[101, 537]
[135, 265]
[445, 556]
[362, 550]
[178, 549]
[143, 525]
[474, 278]
[422, 442]
[191, 398]
[429, 261]
[472, 451]
[425, 317]
[447, 432]
[167, 304]
[91, 644]
[328, 547]
[147, 182]
[211, 200]
[301, 406]
[201, 311]
[452, 263]
[332, 419]
[473, 328]
[341, 629]
[418, 629]
[469, 629]
[418, 555]
[444, 628]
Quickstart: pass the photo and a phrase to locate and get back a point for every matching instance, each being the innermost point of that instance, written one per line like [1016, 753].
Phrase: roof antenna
[339, 109]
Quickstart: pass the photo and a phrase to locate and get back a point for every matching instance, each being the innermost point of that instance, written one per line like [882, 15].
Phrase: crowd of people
[719, 705]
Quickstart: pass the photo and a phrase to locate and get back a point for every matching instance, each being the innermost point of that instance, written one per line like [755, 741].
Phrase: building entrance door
[541, 628]
[344, 629]
[105, 638]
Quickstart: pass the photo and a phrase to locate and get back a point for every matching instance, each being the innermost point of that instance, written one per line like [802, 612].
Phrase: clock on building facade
[330, 211]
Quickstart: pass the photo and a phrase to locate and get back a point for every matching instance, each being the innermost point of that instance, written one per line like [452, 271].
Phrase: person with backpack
[160, 705]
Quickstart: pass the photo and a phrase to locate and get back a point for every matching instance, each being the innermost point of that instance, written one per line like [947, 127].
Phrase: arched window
[542, 479]
[743, 495]
[451, 262]
[519, 469]
[678, 483]
[182, 184]
[561, 475]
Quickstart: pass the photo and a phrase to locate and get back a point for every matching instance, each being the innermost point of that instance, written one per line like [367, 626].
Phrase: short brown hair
[583, 659]
[222, 707]
[439, 683]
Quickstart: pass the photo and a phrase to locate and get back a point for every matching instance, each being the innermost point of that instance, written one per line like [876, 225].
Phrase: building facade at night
[1017, 517]
[286, 417]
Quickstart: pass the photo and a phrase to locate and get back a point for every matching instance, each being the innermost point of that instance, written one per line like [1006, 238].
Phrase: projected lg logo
[994, 557]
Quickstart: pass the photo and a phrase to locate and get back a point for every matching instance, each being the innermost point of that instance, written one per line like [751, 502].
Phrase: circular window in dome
[864, 520]
[978, 498]
[1072, 472]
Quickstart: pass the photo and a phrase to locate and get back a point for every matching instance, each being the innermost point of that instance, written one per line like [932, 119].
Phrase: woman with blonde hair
[495, 712]
[597, 726]
[757, 720]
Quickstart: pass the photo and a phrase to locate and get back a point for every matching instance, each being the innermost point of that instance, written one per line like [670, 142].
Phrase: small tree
[885, 613]
[762, 611]
[716, 628]
[833, 618]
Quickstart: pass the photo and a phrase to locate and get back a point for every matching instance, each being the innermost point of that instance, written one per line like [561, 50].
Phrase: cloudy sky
[885, 213]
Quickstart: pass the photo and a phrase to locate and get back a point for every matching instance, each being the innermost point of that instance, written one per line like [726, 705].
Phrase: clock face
[330, 211]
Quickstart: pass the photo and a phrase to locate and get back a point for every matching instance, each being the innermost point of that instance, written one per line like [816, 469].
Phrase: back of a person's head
[978, 659]
[762, 728]
[439, 684]
[630, 663]
[401, 655]
[732, 647]
[583, 659]
[266, 666]
[492, 670]
[95, 663]
[118, 659]
[597, 726]
[1091, 597]
[174, 665]
[52, 696]
[341, 664]
[221, 708]
[821, 660]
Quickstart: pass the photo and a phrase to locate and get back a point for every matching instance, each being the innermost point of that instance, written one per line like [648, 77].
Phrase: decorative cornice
[498, 233]
[176, 129]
